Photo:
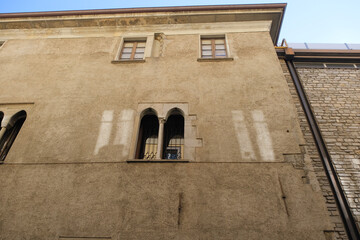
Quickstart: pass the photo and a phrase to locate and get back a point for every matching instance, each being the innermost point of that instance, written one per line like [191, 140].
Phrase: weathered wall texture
[159, 201]
[66, 174]
[75, 84]
[334, 97]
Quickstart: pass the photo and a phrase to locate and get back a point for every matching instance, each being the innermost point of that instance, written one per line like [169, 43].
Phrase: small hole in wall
[304, 179]
[287, 131]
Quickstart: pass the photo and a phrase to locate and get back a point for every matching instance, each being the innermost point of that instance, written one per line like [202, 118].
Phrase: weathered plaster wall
[159, 201]
[73, 83]
[59, 182]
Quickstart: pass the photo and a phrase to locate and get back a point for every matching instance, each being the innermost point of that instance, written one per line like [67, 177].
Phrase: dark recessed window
[10, 132]
[148, 137]
[173, 147]
[173, 141]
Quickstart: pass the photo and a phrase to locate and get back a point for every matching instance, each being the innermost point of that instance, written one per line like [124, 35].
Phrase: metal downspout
[339, 195]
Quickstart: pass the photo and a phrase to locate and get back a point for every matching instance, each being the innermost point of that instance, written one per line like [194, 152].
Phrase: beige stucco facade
[71, 170]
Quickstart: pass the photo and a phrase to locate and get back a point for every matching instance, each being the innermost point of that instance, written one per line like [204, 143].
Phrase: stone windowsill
[215, 59]
[127, 61]
[157, 161]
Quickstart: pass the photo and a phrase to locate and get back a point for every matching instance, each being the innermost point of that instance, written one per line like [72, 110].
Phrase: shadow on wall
[123, 126]
[263, 138]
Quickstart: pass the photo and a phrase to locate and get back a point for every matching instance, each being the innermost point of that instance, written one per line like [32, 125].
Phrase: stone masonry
[334, 97]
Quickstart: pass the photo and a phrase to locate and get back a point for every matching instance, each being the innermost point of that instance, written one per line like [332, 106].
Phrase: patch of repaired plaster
[124, 130]
[104, 131]
[263, 136]
[242, 133]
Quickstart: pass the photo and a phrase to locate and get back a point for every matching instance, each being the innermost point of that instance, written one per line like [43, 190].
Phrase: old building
[162, 123]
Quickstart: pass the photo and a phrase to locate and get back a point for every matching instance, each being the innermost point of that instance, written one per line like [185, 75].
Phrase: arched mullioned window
[10, 132]
[148, 135]
[173, 145]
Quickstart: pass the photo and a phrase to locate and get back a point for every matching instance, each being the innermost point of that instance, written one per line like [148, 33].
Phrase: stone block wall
[334, 96]
[335, 100]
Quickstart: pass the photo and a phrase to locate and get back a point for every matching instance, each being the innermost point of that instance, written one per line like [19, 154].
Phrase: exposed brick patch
[332, 95]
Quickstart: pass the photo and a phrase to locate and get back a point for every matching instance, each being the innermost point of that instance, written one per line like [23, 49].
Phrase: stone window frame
[2, 43]
[163, 111]
[160, 139]
[140, 38]
[214, 58]
[12, 123]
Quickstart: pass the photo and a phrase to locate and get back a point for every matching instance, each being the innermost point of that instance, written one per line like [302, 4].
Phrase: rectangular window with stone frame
[213, 47]
[133, 50]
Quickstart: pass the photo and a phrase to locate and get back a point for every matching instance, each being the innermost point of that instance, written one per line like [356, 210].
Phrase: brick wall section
[333, 97]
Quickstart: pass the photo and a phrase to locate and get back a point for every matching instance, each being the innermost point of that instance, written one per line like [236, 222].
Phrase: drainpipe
[345, 212]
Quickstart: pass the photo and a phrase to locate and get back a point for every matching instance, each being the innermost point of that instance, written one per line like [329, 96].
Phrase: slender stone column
[160, 138]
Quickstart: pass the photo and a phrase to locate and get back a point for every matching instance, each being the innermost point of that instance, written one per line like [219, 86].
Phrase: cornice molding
[144, 10]
[147, 16]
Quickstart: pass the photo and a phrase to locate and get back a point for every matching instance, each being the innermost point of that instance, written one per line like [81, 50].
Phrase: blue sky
[314, 21]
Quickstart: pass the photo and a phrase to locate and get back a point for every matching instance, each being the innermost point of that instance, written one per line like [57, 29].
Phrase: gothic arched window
[173, 145]
[10, 132]
[148, 136]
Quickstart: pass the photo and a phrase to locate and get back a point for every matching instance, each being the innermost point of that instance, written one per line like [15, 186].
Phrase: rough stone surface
[334, 97]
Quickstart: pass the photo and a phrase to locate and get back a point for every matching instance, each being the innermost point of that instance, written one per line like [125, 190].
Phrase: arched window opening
[148, 137]
[173, 147]
[10, 132]
[1, 117]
